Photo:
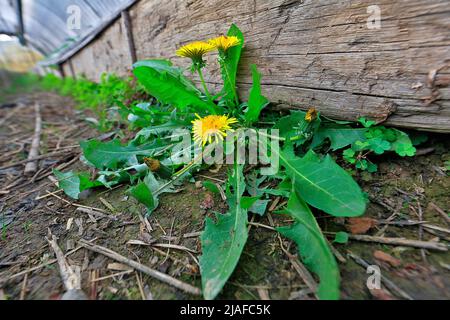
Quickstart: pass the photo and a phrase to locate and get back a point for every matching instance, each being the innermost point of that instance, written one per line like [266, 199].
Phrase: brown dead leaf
[360, 225]
[208, 201]
[383, 256]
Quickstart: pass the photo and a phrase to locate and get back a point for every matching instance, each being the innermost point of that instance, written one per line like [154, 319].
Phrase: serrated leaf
[259, 207]
[147, 132]
[254, 189]
[113, 154]
[312, 247]
[74, 183]
[288, 125]
[247, 202]
[166, 67]
[148, 190]
[253, 183]
[229, 66]
[223, 241]
[168, 85]
[139, 115]
[211, 186]
[143, 194]
[339, 137]
[256, 101]
[324, 185]
[110, 178]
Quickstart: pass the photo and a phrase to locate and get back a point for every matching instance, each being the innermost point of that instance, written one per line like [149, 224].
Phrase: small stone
[198, 184]
[153, 260]
[113, 290]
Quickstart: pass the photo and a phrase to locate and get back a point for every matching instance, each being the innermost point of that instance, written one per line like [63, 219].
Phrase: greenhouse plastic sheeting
[49, 25]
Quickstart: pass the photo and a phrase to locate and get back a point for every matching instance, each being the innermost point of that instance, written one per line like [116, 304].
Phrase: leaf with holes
[168, 85]
[256, 101]
[112, 154]
[74, 183]
[223, 240]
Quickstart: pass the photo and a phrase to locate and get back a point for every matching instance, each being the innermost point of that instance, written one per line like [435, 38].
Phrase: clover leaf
[379, 145]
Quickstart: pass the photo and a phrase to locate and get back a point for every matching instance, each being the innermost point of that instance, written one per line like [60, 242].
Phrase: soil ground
[413, 188]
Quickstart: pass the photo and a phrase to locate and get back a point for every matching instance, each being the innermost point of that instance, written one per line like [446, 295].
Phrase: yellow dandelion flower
[223, 43]
[211, 127]
[195, 51]
[311, 115]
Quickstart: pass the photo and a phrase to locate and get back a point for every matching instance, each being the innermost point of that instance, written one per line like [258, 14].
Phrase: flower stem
[175, 177]
[294, 138]
[200, 74]
[185, 169]
[233, 89]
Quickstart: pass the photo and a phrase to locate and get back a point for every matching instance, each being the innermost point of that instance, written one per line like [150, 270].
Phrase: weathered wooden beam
[62, 73]
[311, 53]
[321, 53]
[72, 70]
[20, 25]
[129, 35]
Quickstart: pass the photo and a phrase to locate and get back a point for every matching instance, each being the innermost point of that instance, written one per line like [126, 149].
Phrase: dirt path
[413, 189]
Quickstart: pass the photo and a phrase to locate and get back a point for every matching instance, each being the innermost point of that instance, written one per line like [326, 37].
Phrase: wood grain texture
[311, 53]
[108, 53]
[66, 68]
[126, 24]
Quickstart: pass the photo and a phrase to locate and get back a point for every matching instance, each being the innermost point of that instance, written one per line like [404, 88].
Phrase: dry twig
[441, 212]
[31, 166]
[149, 271]
[401, 242]
[387, 283]
[44, 156]
[70, 275]
[11, 114]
